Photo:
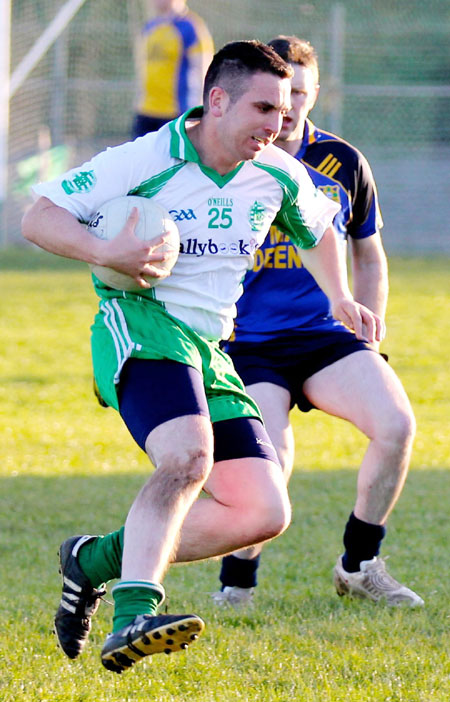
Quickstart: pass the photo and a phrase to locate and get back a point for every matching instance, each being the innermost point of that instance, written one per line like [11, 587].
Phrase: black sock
[238, 572]
[362, 542]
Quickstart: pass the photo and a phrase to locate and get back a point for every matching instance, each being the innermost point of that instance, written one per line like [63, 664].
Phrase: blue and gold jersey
[280, 295]
[174, 54]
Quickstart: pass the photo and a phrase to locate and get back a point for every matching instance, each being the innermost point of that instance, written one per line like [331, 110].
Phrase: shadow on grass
[37, 513]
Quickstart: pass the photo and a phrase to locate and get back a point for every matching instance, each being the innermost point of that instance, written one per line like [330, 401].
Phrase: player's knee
[281, 518]
[191, 467]
[407, 427]
[276, 522]
[400, 427]
[272, 517]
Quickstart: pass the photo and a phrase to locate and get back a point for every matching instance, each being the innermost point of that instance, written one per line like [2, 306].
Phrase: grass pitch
[67, 467]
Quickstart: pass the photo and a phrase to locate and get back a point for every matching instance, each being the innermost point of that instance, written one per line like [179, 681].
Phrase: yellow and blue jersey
[175, 52]
[280, 296]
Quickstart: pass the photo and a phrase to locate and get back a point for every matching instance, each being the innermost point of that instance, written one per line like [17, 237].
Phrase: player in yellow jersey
[174, 51]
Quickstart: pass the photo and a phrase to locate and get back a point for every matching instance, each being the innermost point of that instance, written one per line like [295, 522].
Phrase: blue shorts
[153, 392]
[289, 361]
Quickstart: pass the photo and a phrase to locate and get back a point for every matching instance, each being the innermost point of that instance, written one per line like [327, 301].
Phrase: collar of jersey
[181, 147]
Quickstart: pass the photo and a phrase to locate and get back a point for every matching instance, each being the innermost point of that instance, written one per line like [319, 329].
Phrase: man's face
[304, 91]
[248, 125]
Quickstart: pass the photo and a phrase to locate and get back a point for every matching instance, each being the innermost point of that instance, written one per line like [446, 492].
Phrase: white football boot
[234, 596]
[373, 582]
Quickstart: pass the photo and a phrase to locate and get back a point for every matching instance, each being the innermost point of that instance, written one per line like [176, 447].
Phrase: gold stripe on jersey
[329, 166]
[323, 164]
[334, 170]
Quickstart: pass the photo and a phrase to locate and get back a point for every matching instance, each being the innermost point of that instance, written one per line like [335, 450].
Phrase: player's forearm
[326, 264]
[370, 274]
[54, 229]
[370, 287]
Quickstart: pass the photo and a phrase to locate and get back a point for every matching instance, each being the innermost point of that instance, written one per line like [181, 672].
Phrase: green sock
[132, 597]
[101, 559]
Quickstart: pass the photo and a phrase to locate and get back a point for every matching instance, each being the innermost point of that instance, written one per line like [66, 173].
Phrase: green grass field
[68, 466]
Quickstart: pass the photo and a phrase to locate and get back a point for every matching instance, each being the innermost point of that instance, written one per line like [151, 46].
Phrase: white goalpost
[67, 82]
[42, 45]
[9, 84]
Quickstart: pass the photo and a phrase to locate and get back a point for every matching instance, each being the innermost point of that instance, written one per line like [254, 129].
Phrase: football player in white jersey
[156, 354]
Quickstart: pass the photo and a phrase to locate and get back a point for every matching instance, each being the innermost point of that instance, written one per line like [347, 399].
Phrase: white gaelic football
[153, 220]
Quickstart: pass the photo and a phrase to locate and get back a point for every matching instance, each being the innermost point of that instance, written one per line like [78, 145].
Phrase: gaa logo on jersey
[179, 215]
[82, 182]
[256, 216]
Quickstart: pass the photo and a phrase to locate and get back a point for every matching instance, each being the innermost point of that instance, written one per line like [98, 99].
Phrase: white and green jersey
[222, 220]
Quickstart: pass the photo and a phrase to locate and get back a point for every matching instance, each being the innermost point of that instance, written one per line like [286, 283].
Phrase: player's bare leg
[151, 537]
[274, 403]
[153, 524]
[363, 389]
[248, 503]
[141, 557]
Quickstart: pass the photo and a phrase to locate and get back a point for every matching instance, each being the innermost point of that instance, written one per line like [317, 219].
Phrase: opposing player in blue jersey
[290, 351]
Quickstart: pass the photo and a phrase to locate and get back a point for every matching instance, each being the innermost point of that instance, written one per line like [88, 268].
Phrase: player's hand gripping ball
[153, 221]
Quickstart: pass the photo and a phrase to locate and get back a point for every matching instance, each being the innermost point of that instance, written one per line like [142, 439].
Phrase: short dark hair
[299, 51]
[239, 60]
